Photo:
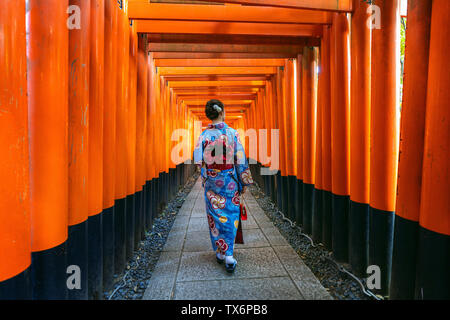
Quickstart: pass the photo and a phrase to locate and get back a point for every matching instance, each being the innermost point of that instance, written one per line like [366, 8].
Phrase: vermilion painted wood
[340, 106]
[360, 105]
[309, 113]
[15, 235]
[291, 117]
[187, 12]
[224, 48]
[219, 63]
[435, 205]
[121, 93]
[231, 38]
[412, 132]
[110, 104]
[206, 27]
[96, 107]
[48, 121]
[326, 111]
[78, 63]
[141, 112]
[384, 109]
[132, 78]
[342, 5]
[164, 71]
[219, 55]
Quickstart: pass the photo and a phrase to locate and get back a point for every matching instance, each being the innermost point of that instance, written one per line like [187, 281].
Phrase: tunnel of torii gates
[90, 98]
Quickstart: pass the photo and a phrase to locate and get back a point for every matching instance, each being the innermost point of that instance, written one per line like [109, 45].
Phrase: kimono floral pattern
[246, 177]
[216, 200]
[222, 187]
[236, 199]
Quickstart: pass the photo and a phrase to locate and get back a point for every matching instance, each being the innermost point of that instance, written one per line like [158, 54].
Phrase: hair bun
[213, 109]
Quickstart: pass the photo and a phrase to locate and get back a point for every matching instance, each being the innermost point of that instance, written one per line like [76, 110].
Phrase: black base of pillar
[299, 203]
[130, 214]
[381, 244]
[267, 185]
[95, 257]
[77, 255]
[171, 184]
[138, 223]
[340, 208]
[433, 276]
[166, 189]
[358, 234]
[279, 191]
[308, 207]
[145, 208]
[404, 259]
[18, 287]
[292, 181]
[146, 221]
[317, 224]
[108, 248]
[48, 273]
[284, 195]
[273, 188]
[155, 189]
[120, 231]
[162, 192]
[327, 220]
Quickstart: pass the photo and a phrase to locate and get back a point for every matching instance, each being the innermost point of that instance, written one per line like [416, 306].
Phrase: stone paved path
[268, 267]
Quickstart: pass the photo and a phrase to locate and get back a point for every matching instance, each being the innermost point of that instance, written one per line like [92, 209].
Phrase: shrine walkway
[268, 267]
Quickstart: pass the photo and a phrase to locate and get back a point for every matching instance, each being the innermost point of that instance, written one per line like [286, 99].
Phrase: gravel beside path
[131, 284]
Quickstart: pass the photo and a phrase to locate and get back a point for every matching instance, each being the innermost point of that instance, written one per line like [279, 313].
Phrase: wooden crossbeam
[218, 78]
[217, 84]
[201, 27]
[187, 12]
[222, 55]
[219, 62]
[230, 39]
[224, 48]
[164, 71]
[202, 102]
[329, 5]
[218, 90]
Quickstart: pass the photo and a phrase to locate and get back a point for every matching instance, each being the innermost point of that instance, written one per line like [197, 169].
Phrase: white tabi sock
[220, 256]
[230, 260]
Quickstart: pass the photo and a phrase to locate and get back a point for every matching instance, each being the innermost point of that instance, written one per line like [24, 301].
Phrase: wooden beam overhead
[214, 91]
[230, 39]
[328, 5]
[167, 71]
[203, 102]
[218, 78]
[234, 108]
[224, 48]
[219, 62]
[143, 10]
[218, 97]
[221, 55]
[201, 27]
[216, 84]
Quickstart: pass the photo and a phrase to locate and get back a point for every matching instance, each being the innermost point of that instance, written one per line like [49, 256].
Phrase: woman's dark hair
[213, 109]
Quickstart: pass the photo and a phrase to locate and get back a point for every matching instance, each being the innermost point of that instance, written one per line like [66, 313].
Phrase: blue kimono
[224, 173]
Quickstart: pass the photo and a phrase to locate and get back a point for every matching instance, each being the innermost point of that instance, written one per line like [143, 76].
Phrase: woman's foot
[220, 258]
[230, 264]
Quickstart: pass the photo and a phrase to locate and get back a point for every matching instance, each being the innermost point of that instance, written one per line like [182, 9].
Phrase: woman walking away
[224, 170]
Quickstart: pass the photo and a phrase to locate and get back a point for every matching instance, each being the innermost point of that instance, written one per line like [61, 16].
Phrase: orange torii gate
[101, 106]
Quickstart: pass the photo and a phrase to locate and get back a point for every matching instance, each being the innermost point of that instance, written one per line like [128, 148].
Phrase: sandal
[230, 267]
[219, 261]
